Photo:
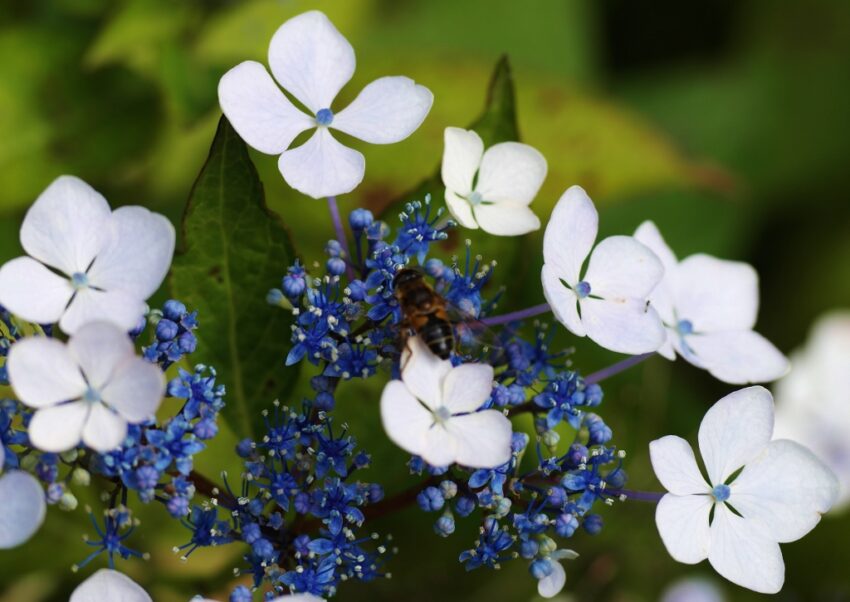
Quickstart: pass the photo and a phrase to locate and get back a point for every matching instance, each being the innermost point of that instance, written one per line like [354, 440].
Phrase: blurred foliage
[725, 122]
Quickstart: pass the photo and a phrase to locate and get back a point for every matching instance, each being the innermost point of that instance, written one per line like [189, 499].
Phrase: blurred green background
[726, 122]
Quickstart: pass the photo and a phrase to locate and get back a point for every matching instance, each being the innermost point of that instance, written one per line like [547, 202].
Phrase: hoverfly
[424, 312]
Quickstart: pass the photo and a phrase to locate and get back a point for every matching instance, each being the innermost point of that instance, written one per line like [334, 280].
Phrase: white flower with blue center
[110, 585]
[432, 412]
[86, 262]
[312, 61]
[491, 189]
[709, 308]
[23, 506]
[609, 303]
[86, 390]
[759, 493]
[813, 401]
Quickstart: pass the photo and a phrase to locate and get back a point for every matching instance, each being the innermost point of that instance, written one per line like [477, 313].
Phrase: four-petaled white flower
[312, 61]
[87, 389]
[609, 303]
[432, 413]
[813, 401]
[22, 503]
[493, 189]
[110, 261]
[709, 308]
[759, 492]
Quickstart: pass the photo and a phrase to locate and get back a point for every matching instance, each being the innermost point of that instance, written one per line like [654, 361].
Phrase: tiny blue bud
[592, 524]
[324, 401]
[245, 448]
[335, 266]
[166, 330]
[540, 568]
[582, 289]
[173, 310]
[721, 492]
[685, 327]
[357, 290]
[448, 489]
[445, 525]
[360, 219]
[430, 499]
[274, 296]
[528, 549]
[324, 117]
[241, 594]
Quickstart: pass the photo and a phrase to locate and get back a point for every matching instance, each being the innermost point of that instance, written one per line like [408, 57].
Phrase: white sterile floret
[23, 504]
[312, 61]
[692, 589]
[110, 585]
[509, 174]
[432, 412]
[86, 390]
[709, 308]
[552, 584]
[108, 262]
[609, 302]
[759, 493]
[813, 401]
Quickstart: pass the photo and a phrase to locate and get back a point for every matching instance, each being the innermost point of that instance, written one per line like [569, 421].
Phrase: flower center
[684, 327]
[475, 198]
[721, 492]
[442, 414]
[79, 281]
[582, 289]
[324, 117]
[92, 395]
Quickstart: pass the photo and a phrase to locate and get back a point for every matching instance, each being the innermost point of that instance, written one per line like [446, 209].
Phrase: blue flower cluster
[347, 326]
[298, 511]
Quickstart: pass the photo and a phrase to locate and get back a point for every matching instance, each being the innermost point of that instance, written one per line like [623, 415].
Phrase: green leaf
[234, 251]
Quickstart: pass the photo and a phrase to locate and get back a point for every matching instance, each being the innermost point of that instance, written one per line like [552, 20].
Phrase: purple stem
[340, 235]
[522, 314]
[639, 496]
[616, 368]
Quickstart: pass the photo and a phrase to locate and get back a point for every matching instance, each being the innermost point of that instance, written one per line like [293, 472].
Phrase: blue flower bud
[245, 448]
[147, 477]
[566, 525]
[360, 219]
[465, 505]
[592, 524]
[264, 549]
[616, 479]
[173, 310]
[255, 506]
[294, 285]
[357, 290]
[430, 499]
[540, 568]
[241, 594]
[178, 506]
[335, 266]
[251, 532]
[206, 429]
[324, 401]
[274, 296]
[445, 525]
[166, 330]
[528, 548]
[448, 489]
[333, 248]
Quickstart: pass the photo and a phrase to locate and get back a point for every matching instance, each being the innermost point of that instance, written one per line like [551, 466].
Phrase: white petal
[440, 448]
[741, 554]
[570, 234]
[387, 110]
[22, 500]
[734, 431]
[739, 357]
[43, 372]
[511, 171]
[405, 420]
[256, 108]
[483, 439]
[461, 210]
[676, 467]
[2, 457]
[65, 226]
[627, 326]
[662, 295]
[104, 430]
[692, 589]
[461, 159]
[322, 166]
[116, 306]
[135, 389]
[551, 585]
[59, 428]
[787, 489]
[466, 387]
[622, 267]
[668, 348]
[99, 348]
[137, 255]
[715, 294]
[562, 300]
[423, 373]
[311, 59]
[506, 219]
[109, 585]
[682, 523]
[32, 292]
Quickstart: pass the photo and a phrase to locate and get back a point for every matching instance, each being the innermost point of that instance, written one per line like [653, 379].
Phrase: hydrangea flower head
[431, 412]
[709, 309]
[86, 390]
[108, 262]
[491, 189]
[312, 61]
[759, 492]
[23, 504]
[609, 303]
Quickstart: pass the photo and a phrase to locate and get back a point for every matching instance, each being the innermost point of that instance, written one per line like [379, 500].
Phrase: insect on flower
[424, 312]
